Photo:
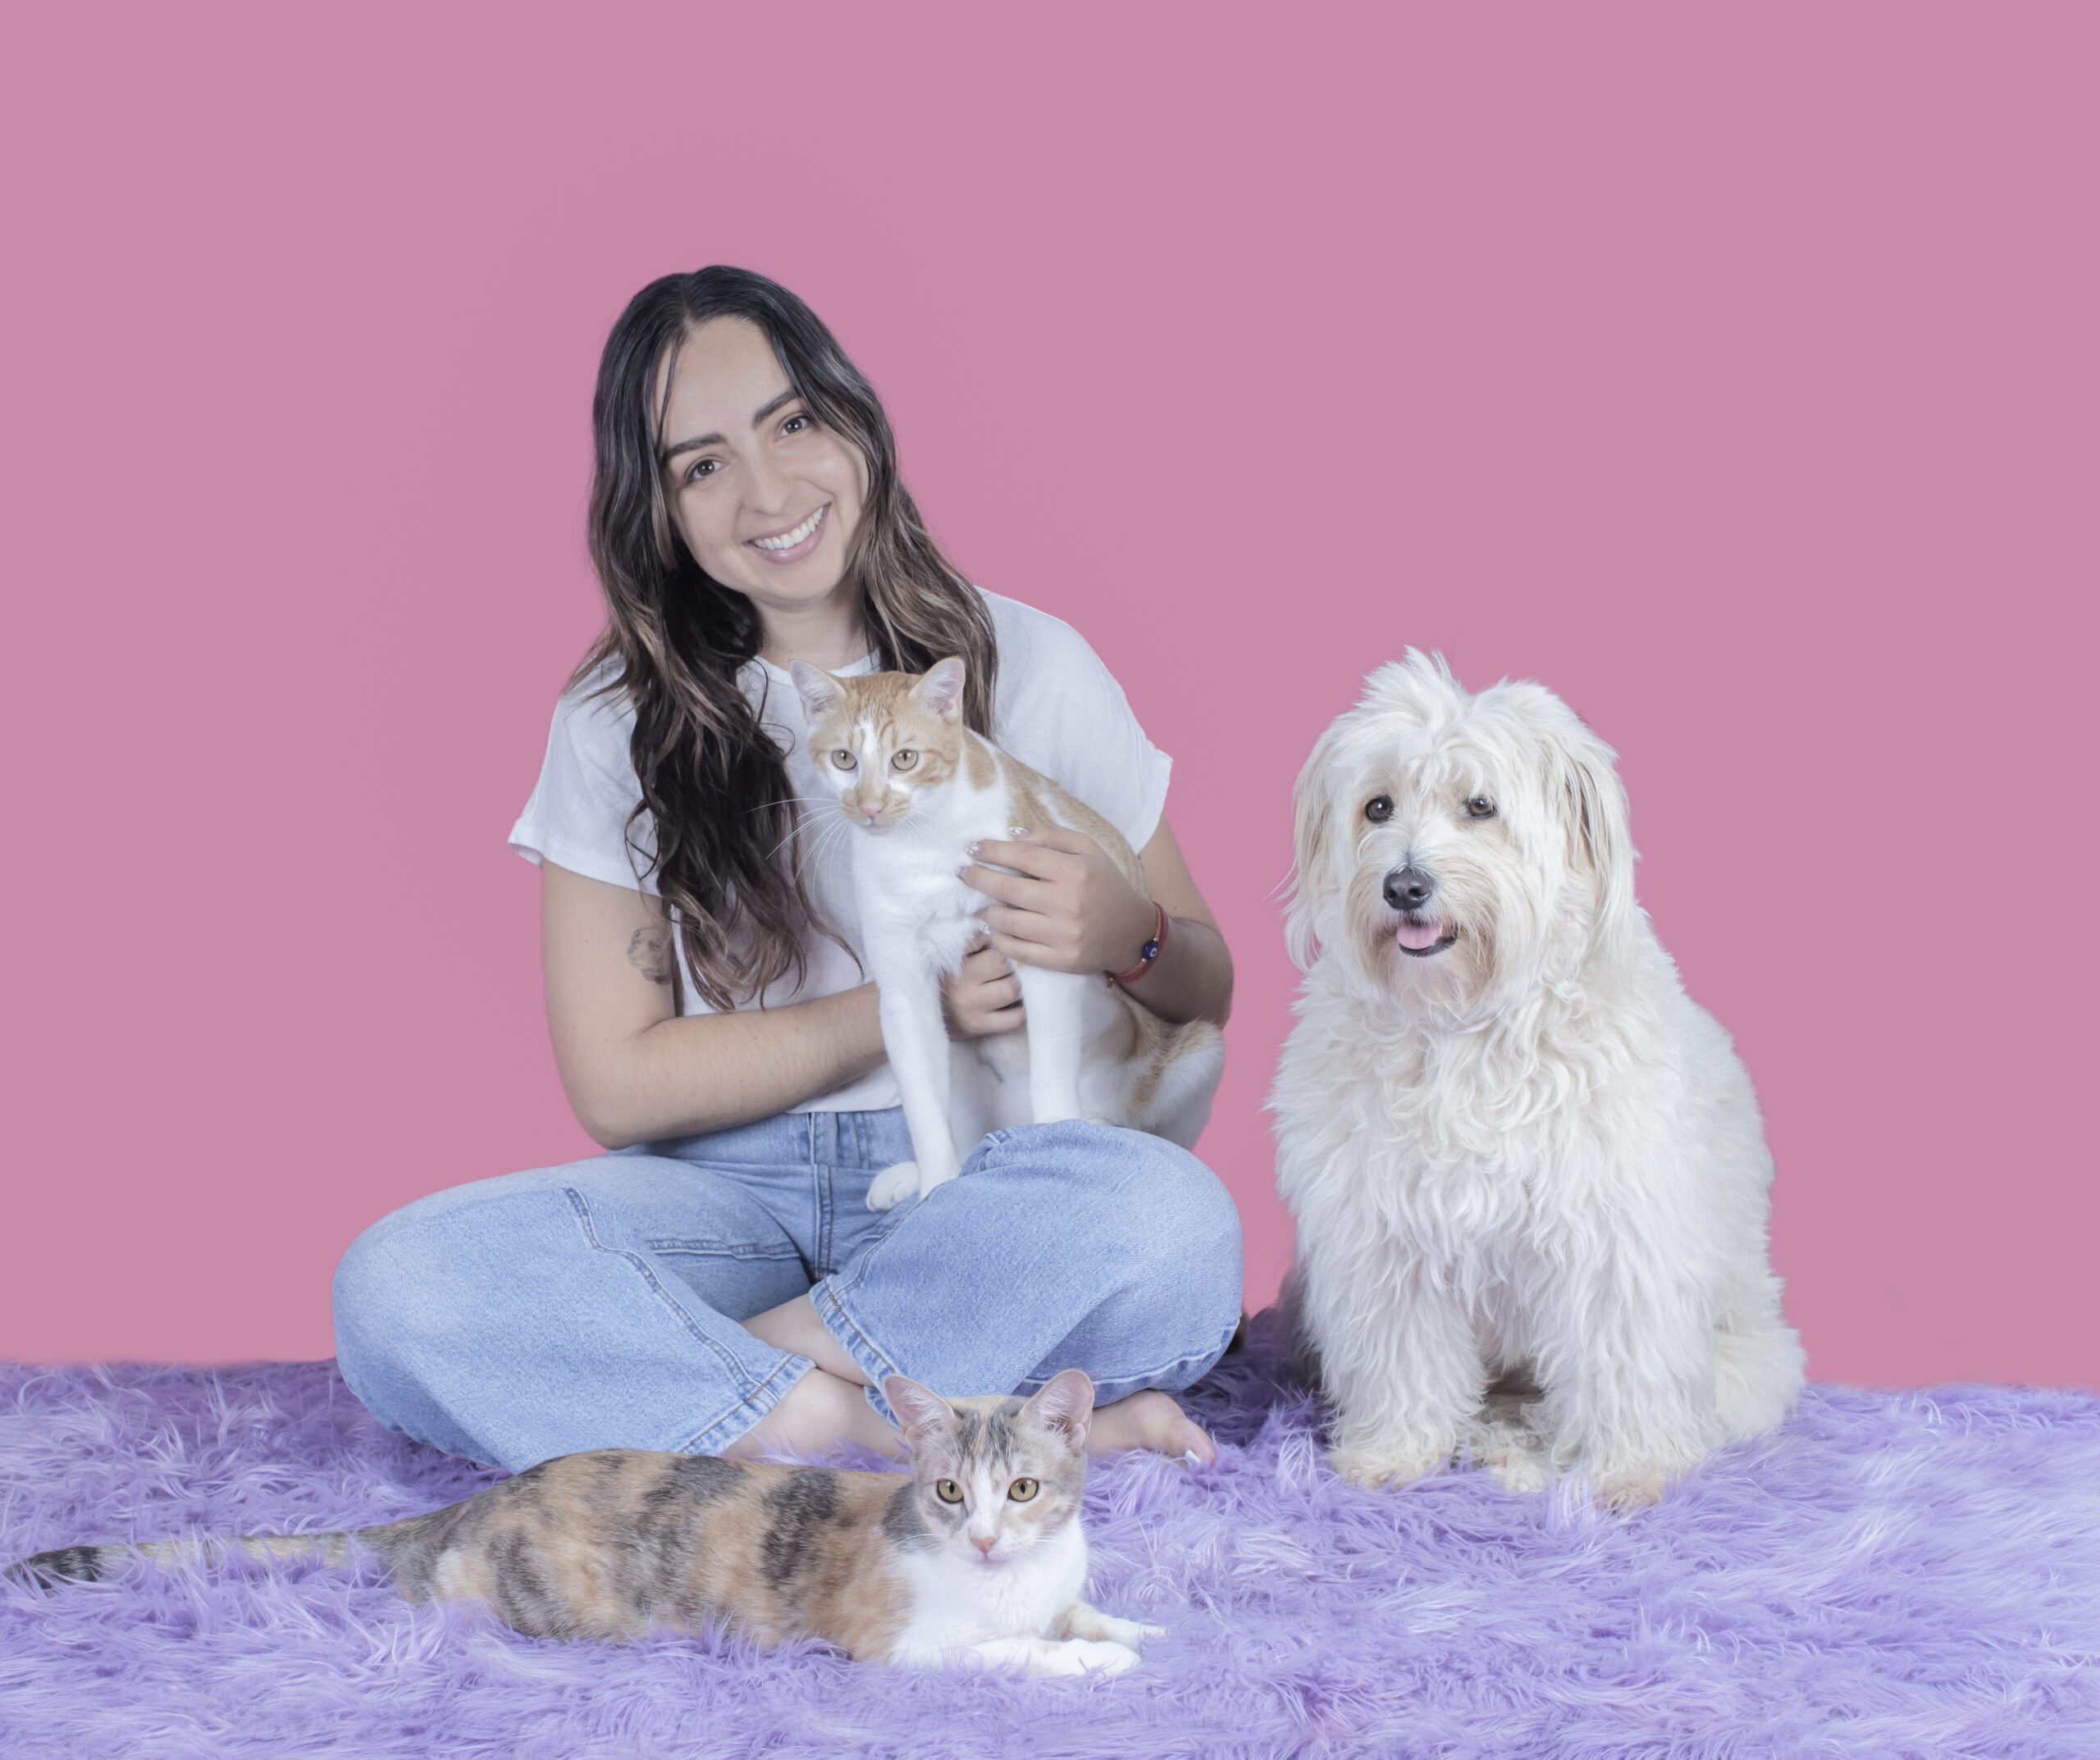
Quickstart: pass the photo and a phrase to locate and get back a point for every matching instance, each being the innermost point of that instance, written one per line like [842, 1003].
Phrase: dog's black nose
[1408, 889]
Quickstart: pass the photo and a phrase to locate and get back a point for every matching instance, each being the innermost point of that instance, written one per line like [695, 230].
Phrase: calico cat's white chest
[957, 1602]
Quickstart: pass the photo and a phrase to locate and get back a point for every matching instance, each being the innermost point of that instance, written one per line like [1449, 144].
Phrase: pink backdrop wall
[1737, 378]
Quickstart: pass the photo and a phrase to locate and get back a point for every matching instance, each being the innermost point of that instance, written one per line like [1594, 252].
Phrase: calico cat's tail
[91, 1564]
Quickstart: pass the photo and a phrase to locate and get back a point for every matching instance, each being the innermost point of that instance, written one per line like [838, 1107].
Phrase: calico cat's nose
[984, 1542]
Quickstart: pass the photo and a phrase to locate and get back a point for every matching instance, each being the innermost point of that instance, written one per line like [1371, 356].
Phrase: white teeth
[788, 539]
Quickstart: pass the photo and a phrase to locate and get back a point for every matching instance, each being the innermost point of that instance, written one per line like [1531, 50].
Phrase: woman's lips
[796, 553]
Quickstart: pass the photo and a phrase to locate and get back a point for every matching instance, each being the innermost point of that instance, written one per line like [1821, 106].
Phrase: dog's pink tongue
[1418, 934]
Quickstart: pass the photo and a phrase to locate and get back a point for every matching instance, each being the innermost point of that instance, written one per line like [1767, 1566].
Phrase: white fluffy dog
[1513, 1146]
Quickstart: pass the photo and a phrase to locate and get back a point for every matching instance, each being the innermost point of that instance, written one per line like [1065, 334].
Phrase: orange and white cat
[919, 786]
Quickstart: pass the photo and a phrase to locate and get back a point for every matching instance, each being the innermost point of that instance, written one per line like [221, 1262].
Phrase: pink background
[1736, 377]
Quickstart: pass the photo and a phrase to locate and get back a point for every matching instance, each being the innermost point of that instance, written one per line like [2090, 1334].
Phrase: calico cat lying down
[975, 1556]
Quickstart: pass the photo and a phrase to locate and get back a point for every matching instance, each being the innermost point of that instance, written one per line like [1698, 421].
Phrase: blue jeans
[595, 1305]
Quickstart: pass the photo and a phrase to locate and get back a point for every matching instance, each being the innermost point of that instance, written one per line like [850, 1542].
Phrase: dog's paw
[1376, 1469]
[894, 1186]
[1500, 1439]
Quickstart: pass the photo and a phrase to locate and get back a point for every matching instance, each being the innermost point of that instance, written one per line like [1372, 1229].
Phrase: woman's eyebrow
[788, 396]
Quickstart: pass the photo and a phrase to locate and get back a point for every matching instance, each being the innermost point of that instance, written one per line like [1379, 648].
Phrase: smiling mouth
[794, 537]
[1421, 938]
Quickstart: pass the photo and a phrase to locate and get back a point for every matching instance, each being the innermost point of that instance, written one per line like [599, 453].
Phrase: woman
[716, 1283]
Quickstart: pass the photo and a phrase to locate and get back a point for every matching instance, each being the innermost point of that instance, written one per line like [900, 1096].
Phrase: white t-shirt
[1058, 709]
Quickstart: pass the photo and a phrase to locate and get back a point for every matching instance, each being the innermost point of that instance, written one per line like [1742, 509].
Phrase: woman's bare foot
[817, 1413]
[1149, 1420]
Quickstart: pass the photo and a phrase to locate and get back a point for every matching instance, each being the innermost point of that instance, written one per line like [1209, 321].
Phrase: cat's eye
[947, 1491]
[904, 760]
[1378, 808]
[844, 760]
[1479, 806]
[1022, 1489]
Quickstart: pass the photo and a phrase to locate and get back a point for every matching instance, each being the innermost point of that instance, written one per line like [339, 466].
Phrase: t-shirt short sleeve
[1061, 711]
[577, 817]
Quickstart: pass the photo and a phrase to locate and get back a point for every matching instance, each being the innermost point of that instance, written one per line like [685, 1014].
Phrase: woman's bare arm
[636, 1071]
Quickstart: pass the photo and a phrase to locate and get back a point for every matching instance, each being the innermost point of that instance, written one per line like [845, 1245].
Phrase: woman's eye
[844, 760]
[948, 1491]
[1479, 806]
[904, 760]
[1021, 1490]
[795, 424]
[702, 468]
[1378, 808]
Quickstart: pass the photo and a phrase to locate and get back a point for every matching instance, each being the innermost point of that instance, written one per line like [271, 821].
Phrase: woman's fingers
[1009, 889]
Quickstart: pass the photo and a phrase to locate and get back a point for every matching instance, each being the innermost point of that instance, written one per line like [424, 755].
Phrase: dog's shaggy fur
[1513, 1146]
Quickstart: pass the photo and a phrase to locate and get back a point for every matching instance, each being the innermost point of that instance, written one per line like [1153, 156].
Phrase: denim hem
[749, 1409]
[856, 1344]
[1171, 1377]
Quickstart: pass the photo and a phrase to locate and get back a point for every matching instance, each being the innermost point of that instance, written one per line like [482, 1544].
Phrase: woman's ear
[818, 691]
[940, 688]
[1312, 800]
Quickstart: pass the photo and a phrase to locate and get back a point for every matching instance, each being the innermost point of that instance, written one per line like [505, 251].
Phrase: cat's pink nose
[984, 1542]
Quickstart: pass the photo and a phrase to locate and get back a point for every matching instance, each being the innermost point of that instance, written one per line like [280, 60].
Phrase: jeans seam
[737, 1373]
[692, 1444]
[822, 1298]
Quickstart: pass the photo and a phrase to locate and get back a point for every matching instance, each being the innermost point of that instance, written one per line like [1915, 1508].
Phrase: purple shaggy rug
[1897, 1574]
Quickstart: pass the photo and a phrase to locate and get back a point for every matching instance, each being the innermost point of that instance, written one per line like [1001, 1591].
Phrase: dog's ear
[1592, 802]
[1310, 879]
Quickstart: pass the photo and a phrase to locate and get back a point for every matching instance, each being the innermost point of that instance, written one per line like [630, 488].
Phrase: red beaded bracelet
[1150, 951]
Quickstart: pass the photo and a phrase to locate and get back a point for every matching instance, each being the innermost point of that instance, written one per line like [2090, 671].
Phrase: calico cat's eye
[1378, 808]
[1022, 1489]
[904, 760]
[1479, 806]
[844, 760]
[947, 1491]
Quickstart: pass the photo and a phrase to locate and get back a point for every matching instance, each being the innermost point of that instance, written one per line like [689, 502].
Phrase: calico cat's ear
[818, 691]
[1063, 1406]
[921, 1410]
[940, 688]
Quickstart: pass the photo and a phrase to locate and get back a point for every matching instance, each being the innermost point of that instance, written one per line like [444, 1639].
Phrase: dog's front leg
[1400, 1363]
[1628, 1374]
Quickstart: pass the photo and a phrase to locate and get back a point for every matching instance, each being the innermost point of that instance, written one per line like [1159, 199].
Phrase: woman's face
[766, 501]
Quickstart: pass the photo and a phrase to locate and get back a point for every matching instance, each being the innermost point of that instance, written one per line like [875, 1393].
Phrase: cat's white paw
[1128, 1632]
[894, 1186]
[1085, 1656]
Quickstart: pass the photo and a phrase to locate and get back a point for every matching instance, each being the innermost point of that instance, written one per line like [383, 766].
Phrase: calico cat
[975, 1557]
[921, 786]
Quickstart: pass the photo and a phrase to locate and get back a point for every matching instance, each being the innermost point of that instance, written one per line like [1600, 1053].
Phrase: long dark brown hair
[712, 779]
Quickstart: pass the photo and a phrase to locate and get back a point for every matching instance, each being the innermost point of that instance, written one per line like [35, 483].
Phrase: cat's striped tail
[91, 1564]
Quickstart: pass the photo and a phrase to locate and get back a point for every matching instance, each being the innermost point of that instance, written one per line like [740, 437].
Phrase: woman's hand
[982, 996]
[1066, 909]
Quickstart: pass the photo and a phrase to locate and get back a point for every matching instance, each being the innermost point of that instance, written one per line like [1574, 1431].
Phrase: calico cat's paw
[1093, 1656]
[894, 1186]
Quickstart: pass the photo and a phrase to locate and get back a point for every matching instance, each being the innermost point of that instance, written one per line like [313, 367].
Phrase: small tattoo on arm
[649, 952]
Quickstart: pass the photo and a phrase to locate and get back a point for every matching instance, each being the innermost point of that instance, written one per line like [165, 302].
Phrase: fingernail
[971, 852]
[1017, 831]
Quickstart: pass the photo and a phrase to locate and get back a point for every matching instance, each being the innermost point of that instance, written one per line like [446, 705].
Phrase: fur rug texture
[1897, 1574]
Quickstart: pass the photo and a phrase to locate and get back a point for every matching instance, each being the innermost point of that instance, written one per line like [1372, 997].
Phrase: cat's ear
[940, 688]
[818, 691]
[1063, 1406]
[921, 1410]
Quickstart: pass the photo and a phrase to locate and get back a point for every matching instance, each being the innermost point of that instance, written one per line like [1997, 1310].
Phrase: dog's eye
[1378, 808]
[1479, 806]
